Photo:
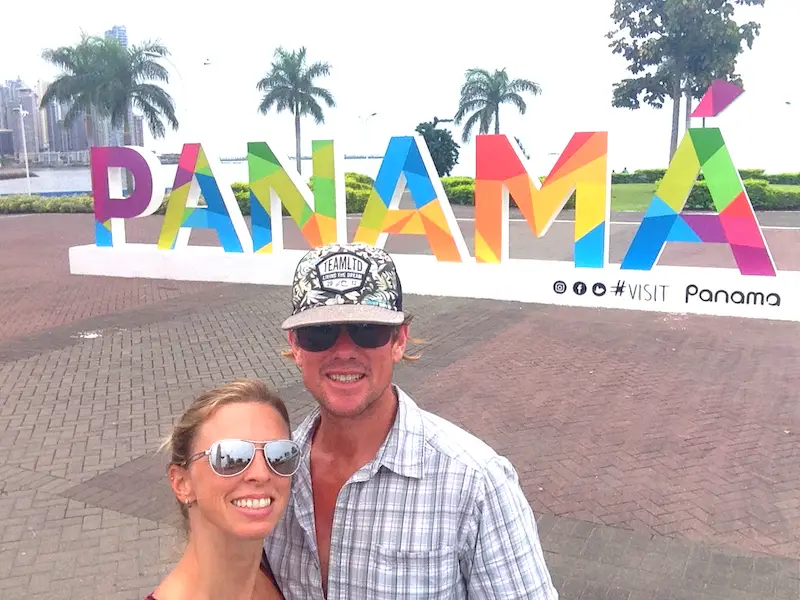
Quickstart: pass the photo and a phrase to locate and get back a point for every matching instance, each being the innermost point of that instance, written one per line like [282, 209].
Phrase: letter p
[110, 207]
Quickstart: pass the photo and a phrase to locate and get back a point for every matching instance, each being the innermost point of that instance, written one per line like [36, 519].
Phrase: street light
[22, 114]
[365, 122]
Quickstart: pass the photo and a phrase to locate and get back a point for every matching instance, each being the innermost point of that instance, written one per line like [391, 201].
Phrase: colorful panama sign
[256, 255]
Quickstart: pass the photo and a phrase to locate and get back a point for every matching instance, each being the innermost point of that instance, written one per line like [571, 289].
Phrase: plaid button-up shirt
[436, 514]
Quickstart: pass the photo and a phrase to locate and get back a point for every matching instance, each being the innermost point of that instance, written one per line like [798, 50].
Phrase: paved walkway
[660, 453]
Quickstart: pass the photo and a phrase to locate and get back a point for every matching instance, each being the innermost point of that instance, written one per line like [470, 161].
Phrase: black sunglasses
[231, 457]
[318, 338]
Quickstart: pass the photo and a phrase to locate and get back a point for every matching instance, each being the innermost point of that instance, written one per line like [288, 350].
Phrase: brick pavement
[38, 293]
[653, 448]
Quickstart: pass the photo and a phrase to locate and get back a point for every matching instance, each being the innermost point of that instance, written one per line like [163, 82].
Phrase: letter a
[408, 162]
[195, 175]
[734, 224]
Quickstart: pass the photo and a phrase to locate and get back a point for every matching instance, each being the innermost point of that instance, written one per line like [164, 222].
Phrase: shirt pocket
[415, 574]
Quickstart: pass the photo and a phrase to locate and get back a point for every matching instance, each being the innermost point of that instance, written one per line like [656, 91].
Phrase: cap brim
[344, 313]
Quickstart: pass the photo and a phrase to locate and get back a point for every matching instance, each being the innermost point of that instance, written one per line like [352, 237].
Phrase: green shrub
[622, 178]
[462, 194]
[22, 203]
[650, 175]
[784, 179]
[358, 178]
[762, 196]
[459, 180]
[356, 200]
[752, 174]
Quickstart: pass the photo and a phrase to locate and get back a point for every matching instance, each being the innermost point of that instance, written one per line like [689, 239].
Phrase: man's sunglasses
[318, 338]
[231, 457]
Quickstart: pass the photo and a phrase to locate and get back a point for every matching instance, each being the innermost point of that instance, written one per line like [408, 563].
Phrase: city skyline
[45, 132]
[385, 88]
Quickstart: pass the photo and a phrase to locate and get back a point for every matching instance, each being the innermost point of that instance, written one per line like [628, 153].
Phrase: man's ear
[181, 483]
[399, 343]
[295, 349]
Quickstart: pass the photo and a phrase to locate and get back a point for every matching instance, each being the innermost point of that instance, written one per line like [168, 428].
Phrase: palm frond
[516, 100]
[289, 85]
[483, 92]
[473, 119]
[324, 94]
[524, 85]
[101, 77]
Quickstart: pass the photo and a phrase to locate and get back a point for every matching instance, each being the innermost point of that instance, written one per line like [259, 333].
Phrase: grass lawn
[631, 196]
[636, 196]
[787, 188]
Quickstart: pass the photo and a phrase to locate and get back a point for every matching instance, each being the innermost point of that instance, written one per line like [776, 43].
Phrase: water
[78, 179]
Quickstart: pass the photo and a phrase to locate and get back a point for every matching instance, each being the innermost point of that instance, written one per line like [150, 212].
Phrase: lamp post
[365, 121]
[22, 114]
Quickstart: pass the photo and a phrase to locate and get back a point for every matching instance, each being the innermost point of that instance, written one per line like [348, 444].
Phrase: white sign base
[693, 290]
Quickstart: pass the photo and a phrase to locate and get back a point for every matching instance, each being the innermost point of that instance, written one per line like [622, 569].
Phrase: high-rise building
[115, 136]
[75, 136]
[5, 101]
[9, 100]
[6, 142]
[138, 131]
[46, 135]
[119, 33]
[16, 97]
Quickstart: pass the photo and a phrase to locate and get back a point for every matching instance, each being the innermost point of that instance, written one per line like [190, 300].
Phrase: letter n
[408, 164]
[193, 178]
[320, 215]
[734, 223]
[582, 168]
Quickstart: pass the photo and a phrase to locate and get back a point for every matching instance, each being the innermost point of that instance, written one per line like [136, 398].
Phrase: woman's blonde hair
[180, 442]
[287, 353]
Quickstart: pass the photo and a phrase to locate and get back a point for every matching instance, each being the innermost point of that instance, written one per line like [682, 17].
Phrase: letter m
[581, 168]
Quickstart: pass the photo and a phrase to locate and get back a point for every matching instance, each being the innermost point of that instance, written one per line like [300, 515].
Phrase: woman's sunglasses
[231, 457]
[318, 338]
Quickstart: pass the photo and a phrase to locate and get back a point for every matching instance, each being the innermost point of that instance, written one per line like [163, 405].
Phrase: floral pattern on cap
[339, 274]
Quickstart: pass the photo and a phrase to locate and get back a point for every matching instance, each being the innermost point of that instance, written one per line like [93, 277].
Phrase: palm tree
[130, 72]
[484, 92]
[80, 83]
[101, 77]
[289, 85]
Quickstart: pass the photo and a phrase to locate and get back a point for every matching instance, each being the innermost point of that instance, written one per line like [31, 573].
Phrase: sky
[406, 62]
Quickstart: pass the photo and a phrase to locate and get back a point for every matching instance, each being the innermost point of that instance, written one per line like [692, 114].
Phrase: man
[391, 501]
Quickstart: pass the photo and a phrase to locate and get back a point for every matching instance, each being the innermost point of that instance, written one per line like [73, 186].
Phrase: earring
[188, 503]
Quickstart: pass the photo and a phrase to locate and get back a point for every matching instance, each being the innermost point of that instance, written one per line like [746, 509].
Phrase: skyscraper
[116, 135]
[138, 131]
[119, 33]
[46, 134]
[16, 96]
[29, 101]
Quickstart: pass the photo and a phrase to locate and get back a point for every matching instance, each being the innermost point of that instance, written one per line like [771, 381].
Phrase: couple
[370, 497]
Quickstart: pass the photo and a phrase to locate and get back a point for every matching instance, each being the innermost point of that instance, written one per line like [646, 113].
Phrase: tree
[80, 83]
[442, 146]
[484, 92]
[676, 48]
[289, 85]
[101, 77]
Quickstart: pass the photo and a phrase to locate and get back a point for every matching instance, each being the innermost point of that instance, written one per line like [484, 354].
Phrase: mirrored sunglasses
[231, 457]
[318, 338]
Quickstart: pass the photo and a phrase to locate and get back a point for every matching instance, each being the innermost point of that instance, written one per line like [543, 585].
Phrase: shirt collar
[403, 449]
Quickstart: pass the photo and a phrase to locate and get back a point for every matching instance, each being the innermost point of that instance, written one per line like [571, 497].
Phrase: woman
[231, 465]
